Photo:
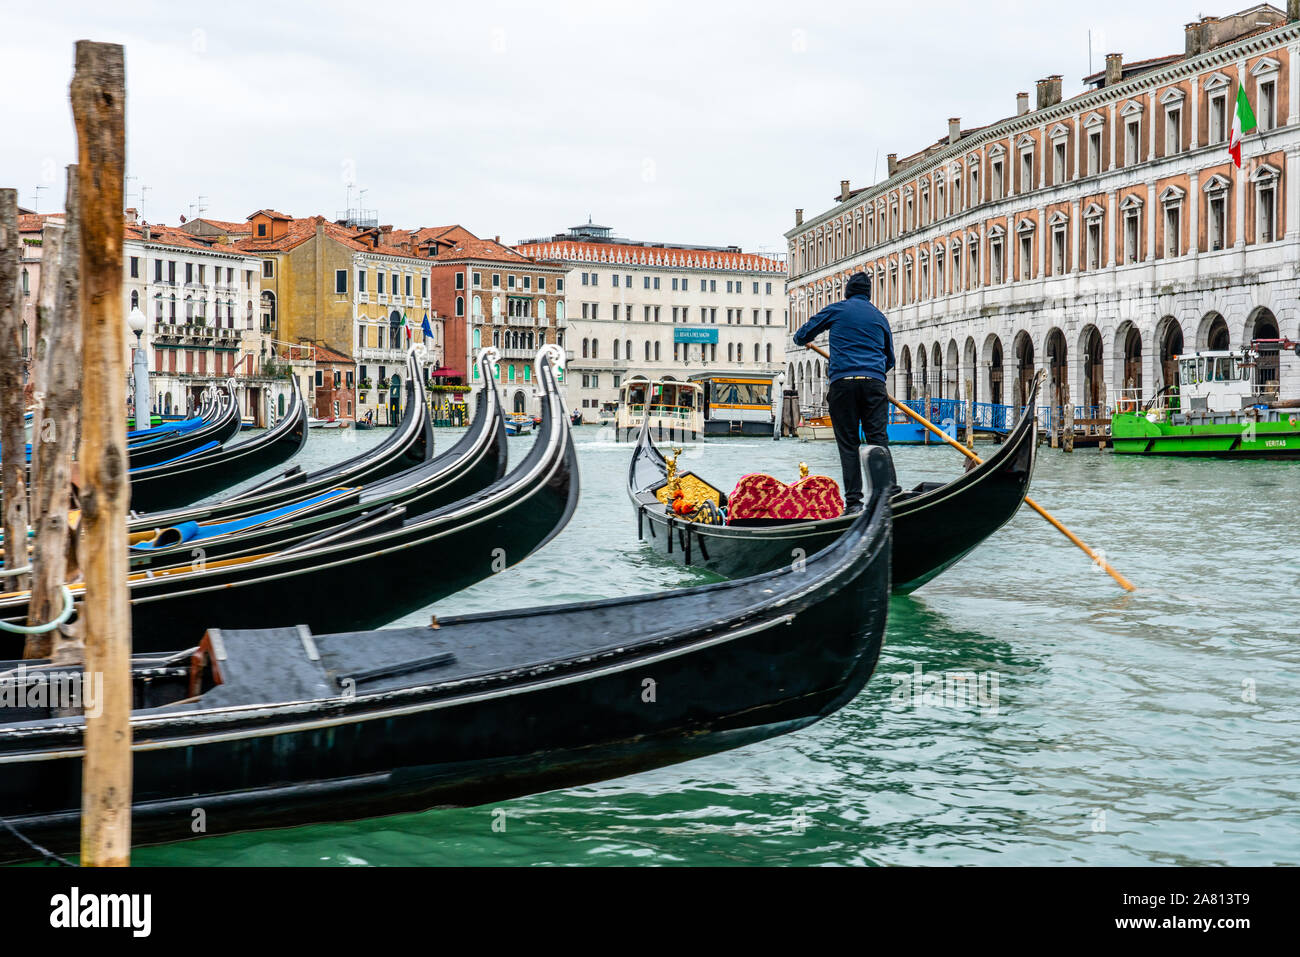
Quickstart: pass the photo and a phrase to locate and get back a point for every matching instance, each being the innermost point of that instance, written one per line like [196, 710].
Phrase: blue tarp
[193, 531]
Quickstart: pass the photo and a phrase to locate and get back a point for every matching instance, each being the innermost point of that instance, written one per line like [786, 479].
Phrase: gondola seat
[760, 499]
[695, 489]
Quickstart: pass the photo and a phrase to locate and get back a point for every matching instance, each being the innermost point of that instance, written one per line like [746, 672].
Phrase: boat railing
[1087, 418]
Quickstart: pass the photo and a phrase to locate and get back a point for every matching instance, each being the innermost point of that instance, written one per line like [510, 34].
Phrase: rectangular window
[1173, 131]
[380, 279]
[460, 280]
[510, 282]
[1132, 142]
[995, 261]
[496, 280]
[685, 284]
[1094, 244]
[656, 282]
[1218, 225]
[1267, 113]
[1094, 152]
[1218, 117]
[361, 280]
[645, 282]
[1026, 257]
[1058, 250]
[559, 284]
[1058, 162]
[478, 280]
[424, 287]
[1132, 232]
[1265, 213]
[996, 184]
[1026, 171]
[1173, 228]
[340, 281]
[268, 268]
[135, 267]
[615, 280]
[713, 285]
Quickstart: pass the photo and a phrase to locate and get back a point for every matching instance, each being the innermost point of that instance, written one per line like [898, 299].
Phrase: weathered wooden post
[54, 430]
[970, 414]
[925, 398]
[98, 109]
[1101, 407]
[1067, 419]
[13, 433]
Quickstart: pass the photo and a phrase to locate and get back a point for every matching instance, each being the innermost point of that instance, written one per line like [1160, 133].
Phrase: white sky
[704, 122]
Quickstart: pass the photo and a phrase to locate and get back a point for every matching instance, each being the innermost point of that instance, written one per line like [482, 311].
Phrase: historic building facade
[198, 297]
[662, 310]
[351, 289]
[1095, 237]
[490, 294]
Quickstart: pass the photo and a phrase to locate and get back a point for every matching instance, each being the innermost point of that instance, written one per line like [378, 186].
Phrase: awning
[446, 374]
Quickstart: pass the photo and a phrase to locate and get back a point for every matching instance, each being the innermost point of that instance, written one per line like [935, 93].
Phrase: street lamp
[136, 323]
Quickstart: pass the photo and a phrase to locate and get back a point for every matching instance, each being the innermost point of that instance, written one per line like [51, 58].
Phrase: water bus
[675, 409]
[737, 403]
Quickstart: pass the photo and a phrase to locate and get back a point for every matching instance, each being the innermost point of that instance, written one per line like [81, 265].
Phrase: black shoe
[852, 508]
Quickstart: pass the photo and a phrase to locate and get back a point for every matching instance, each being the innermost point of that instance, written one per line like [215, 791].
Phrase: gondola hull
[385, 566]
[529, 701]
[164, 487]
[933, 528]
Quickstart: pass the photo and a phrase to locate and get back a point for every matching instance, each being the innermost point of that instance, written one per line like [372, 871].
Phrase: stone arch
[1023, 350]
[1213, 332]
[1127, 354]
[953, 371]
[905, 372]
[1092, 366]
[922, 364]
[993, 359]
[969, 369]
[1056, 354]
[1169, 340]
[1263, 324]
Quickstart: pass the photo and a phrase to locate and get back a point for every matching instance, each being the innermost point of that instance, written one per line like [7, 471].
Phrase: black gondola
[382, 565]
[221, 422]
[279, 727]
[473, 463]
[935, 524]
[411, 443]
[178, 483]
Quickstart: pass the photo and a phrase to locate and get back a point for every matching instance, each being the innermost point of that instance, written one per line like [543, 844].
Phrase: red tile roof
[174, 236]
[301, 230]
[326, 354]
[664, 256]
[471, 247]
[268, 212]
[32, 222]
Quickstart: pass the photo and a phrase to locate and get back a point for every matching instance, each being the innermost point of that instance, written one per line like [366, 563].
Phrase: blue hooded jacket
[860, 340]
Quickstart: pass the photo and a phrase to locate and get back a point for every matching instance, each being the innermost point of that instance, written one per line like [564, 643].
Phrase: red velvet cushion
[762, 497]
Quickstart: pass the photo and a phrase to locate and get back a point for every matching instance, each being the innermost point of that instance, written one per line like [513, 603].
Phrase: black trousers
[858, 404]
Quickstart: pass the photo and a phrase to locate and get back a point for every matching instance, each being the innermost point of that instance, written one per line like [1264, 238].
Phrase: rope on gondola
[49, 626]
[45, 852]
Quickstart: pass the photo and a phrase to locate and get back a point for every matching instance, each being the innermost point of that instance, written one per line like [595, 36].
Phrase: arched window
[616, 350]
[559, 311]
[478, 307]
[135, 296]
[189, 309]
[595, 348]
[478, 340]
[647, 350]
[584, 348]
[158, 304]
[496, 307]
[541, 309]
[460, 305]
[769, 352]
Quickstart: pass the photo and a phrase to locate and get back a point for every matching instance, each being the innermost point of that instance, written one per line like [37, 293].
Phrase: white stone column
[1151, 221]
[1112, 164]
[1196, 111]
[1112, 210]
[1041, 230]
[1151, 127]
[1291, 177]
[1192, 211]
[1293, 84]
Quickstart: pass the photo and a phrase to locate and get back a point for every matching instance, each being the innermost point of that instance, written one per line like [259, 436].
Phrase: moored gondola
[276, 727]
[935, 524]
[473, 463]
[220, 421]
[411, 443]
[381, 565]
[173, 484]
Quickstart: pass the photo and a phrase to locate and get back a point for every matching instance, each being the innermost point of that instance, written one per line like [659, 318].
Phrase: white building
[1095, 237]
[662, 310]
[198, 296]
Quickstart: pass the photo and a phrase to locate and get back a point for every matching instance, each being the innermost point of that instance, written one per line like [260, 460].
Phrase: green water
[1155, 728]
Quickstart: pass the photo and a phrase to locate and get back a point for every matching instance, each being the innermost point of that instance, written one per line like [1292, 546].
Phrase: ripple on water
[1153, 728]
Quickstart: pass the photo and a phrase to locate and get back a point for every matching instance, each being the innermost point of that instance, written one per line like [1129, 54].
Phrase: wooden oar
[1091, 553]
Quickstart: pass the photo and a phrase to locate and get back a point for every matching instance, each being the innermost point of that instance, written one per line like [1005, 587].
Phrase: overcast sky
[701, 122]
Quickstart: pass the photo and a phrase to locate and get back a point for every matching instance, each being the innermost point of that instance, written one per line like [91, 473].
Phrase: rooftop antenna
[36, 198]
[1089, 53]
[144, 191]
[875, 170]
[203, 206]
[128, 188]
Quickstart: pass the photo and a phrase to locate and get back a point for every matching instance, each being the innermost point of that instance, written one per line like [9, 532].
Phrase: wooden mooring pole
[1067, 419]
[13, 433]
[98, 110]
[57, 369]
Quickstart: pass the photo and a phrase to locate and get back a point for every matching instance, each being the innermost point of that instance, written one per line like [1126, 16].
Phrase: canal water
[1161, 727]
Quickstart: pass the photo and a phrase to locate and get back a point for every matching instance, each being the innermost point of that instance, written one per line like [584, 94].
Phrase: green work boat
[1218, 409]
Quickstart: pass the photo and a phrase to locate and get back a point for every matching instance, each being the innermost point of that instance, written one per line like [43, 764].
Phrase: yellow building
[350, 289]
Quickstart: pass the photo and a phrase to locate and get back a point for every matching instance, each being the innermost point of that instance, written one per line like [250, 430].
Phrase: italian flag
[1243, 121]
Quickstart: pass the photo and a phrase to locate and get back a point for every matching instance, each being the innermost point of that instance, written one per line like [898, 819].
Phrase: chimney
[1022, 104]
[1054, 89]
[132, 215]
[798, 217]
[1114, 68]
[497, 240]
[892, 163]
[1292, 10]
[147, 233]
[1040, 94]
[844, 190]
[954, 126]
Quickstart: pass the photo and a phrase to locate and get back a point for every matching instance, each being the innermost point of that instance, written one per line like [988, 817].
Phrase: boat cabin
[737, 404]
[1217, 381]
[675, 409]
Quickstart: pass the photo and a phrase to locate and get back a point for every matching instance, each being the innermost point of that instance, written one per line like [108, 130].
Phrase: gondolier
[862, 351]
